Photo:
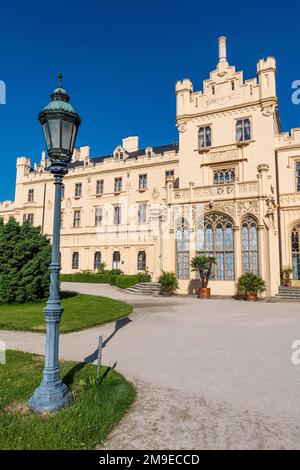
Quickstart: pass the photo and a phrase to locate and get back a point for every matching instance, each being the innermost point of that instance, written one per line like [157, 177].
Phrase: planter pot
[289, 284]
[204, 292]
[251, 296]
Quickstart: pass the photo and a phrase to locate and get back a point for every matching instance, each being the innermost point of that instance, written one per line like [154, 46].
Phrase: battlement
[288, 138]
[184, 85]
[267, 64]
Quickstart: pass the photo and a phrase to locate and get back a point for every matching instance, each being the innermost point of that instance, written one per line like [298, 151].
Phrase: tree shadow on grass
[66, 294]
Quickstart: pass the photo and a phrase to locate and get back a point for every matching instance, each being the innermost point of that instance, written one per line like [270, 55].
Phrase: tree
[25, 255]
[203, 265]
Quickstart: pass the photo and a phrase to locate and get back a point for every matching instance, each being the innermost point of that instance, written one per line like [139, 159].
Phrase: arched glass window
[97, 260]
[141, 261]
[75, 260]
[214, 237]
[116, 260]
[182, 250]
[296, 251]
[249, 245]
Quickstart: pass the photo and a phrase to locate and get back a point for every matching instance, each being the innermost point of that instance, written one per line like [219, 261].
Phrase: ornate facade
[230, 188]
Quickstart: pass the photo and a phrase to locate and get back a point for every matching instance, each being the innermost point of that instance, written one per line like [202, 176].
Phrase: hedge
[122, 280]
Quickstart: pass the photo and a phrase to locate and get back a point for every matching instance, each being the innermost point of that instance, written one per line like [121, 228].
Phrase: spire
[59, 77]
[222, 49]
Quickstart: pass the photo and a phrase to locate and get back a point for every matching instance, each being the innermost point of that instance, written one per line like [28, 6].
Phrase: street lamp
[60, 124]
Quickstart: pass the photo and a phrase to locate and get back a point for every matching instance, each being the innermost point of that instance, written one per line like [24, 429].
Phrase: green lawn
[81, 311]
[97, 406]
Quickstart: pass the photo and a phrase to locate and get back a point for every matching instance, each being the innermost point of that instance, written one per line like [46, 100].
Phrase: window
[232, 85]
[118, 185]
[61, 218]
[98, 216]
[29, 218]
[117, 215]
[205, 136]
[296, 251]
[77, 217]
[214, 237]
[182, 250]
[75, 260]
[62, 191]
[97, 260]
[116, 260]
[224, 175]
[78, 189]
[169, 173]
[142, 213]
[31, 195]
[142, 182]
[249, 245]
[99, 186]
[243, 130]
[141, 264]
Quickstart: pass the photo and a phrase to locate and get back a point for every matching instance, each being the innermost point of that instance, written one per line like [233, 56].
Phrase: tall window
[97, 260]
[142, 182]
[214, 237]
[142, 214]
[29, 218]
[117, 215]
[169, 173]
[76, 220]
[78, 189]
[182, 250]
[99, 186]
[116, 260]
[296, 251]
[243, 130]
[249, 245]
[205, 136]
[118, 185]
[31, 195]
[75, 260]
[62, 191]
[98, 216]
[224, 175]
[141, 265]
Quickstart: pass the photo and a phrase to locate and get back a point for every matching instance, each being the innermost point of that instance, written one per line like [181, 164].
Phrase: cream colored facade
[229, 187]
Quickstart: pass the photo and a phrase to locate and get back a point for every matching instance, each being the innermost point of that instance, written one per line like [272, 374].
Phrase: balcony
[216, 192]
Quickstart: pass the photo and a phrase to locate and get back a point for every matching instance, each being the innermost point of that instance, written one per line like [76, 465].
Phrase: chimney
[131, 144]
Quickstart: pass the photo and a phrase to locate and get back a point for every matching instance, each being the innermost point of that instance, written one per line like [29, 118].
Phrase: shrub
[25, 255]
[250, 282]
[120, 280]
[168, 282]
[286, 275]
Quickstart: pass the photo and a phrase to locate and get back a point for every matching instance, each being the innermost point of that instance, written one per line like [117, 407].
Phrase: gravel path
[210, 374]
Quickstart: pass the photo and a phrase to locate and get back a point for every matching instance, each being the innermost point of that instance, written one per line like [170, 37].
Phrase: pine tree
[25, 255]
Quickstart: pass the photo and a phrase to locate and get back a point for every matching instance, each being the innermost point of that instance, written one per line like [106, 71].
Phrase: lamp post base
[48, 399]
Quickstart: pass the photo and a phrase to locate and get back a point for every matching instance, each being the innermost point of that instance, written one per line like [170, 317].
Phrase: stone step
[145, 288]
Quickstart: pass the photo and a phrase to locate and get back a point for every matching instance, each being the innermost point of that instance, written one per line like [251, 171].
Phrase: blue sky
[120, 61]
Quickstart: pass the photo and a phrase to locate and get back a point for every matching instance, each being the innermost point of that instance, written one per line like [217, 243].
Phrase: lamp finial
[59, 76]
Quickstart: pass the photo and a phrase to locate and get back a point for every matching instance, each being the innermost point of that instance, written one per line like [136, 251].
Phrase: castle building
[229, 188]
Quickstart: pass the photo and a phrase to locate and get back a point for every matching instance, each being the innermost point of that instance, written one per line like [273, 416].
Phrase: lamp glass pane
[54, 127]
[73, 138]
[66, 134]
[46, 135]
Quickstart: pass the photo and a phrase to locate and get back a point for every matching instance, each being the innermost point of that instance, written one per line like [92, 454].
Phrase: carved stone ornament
[182, 126]
[155, 194]
[245, 207]
[268, 110]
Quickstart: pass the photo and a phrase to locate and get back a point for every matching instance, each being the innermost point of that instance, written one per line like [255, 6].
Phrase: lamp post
[60, 124]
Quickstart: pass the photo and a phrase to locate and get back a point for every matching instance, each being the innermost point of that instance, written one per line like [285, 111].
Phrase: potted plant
[168, 283]
[204, 266]
[250, 285]
[286, 276]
